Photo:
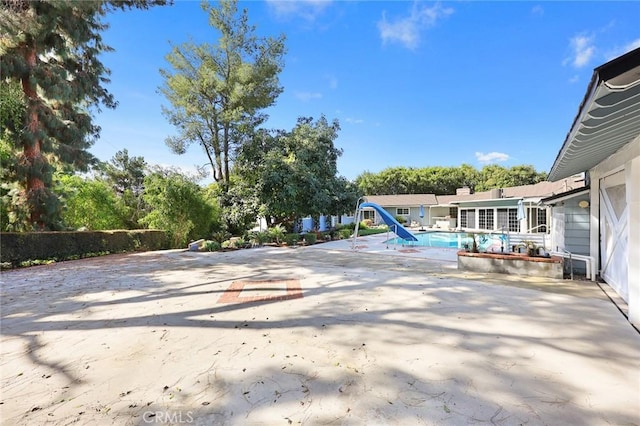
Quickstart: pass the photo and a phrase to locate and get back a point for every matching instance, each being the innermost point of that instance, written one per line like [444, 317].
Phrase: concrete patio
[314, 335]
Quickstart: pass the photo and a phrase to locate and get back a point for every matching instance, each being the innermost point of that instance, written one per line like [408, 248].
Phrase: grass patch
[372, 231]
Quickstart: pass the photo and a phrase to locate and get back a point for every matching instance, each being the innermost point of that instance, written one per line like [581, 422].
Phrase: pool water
[455, 240]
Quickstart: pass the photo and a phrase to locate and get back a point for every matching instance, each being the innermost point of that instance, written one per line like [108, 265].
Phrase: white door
[614, 235]
[557, 228]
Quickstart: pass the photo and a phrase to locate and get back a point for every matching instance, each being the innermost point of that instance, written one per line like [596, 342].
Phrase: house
[487, 211]
[405, 206]
[604, 143]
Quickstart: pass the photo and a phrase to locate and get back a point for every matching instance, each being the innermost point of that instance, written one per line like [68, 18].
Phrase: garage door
[614, 234]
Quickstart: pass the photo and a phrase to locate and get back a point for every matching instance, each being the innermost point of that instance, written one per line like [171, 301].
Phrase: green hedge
[18, 247]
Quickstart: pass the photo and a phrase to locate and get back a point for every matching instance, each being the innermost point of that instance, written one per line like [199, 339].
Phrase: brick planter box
[511, 263]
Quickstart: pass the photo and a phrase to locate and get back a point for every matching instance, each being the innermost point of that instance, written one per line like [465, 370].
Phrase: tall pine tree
[51, 47]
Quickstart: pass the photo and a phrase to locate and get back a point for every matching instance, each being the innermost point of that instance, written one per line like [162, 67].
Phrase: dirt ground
[308, 336]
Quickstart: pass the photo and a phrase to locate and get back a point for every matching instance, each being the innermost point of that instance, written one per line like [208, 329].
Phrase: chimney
[465, 190]
[495, 193]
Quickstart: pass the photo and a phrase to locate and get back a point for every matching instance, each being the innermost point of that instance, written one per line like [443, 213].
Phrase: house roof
[496, 197]
[544, 189]
[536, 191]
[556, 198]
[608, 117]
[403, 200]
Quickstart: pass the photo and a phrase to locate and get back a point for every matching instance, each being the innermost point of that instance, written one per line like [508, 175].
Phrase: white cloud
[491, 157]
[618, 51]
[574, 79]
[308, 10]
[406, 30]
[537, 10]
[353, 120]
[333, 81]
[307, 96]
[582, 50]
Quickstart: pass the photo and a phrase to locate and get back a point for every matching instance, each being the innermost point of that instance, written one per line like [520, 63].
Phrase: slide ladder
[391, 222]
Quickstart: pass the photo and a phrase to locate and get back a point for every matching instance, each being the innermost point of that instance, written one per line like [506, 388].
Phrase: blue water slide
[393, 224]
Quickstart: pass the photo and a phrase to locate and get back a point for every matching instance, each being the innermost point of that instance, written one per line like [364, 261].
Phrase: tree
[12, 108]
[445, 180]
[217, 91]
[294, 174]
[177, 205]
[90, 203]
[126, 176]
[52, 49]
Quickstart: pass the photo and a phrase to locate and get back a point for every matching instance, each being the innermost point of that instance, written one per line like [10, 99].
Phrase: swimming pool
[455, 240]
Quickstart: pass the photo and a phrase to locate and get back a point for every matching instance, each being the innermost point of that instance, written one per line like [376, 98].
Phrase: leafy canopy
[52, 49]
[217, 91]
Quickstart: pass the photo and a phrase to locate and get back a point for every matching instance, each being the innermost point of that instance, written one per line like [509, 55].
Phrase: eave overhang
[557, 198]
[495, 202]
[607, 120]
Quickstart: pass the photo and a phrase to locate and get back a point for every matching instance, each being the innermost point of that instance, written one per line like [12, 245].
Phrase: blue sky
[413, 84]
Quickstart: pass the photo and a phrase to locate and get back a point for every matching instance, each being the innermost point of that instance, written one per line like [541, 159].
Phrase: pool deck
[312, 335]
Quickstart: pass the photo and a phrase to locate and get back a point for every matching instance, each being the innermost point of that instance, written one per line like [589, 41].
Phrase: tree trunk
[32, 148]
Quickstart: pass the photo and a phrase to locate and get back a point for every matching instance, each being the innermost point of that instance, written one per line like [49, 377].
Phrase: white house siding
[626, 161]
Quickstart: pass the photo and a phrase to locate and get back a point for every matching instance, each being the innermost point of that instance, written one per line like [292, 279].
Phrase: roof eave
[616, 68]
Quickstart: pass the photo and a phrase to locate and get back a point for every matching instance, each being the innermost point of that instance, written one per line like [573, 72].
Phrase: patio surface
[315, 335]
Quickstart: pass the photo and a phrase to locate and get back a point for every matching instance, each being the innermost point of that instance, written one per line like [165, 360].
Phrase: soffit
[608, 119]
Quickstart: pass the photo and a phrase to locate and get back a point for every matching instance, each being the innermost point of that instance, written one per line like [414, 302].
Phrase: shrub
[220, 236]
[16, 248]
[259, 238]
[310, 238]
[291, 239]
[401, 219]
[340, 226]
[212, 245]
[277, 233]
[345, 233]
[366, 224]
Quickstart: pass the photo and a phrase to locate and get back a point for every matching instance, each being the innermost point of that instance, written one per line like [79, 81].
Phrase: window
[485, 218]
[368, 214]
[508, 220]
[542, 221]
[537, 220]
[402, 211]
[467, 218]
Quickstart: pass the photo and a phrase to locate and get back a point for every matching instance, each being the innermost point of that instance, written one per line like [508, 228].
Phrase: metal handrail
[536, 227]
[357, 219]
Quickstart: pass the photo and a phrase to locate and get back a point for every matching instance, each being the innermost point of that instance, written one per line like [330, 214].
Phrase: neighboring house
[406, 206]
[604, 143]
[488, 211]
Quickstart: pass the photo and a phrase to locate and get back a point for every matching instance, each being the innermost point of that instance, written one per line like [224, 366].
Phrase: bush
[220, 236]
[177, 205]
[310, 238]
[17, 248]
[401, 219]
[291, 239]
[366, 224]
[340, 226]
[345, 233]
[212, 245]
[277, 233]
[259, 238]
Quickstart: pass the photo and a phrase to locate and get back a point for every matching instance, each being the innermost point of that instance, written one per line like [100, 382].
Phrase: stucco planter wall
[514, 264]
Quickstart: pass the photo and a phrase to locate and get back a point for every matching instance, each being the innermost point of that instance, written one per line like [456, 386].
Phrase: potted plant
[528, 247]
[474, 243]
